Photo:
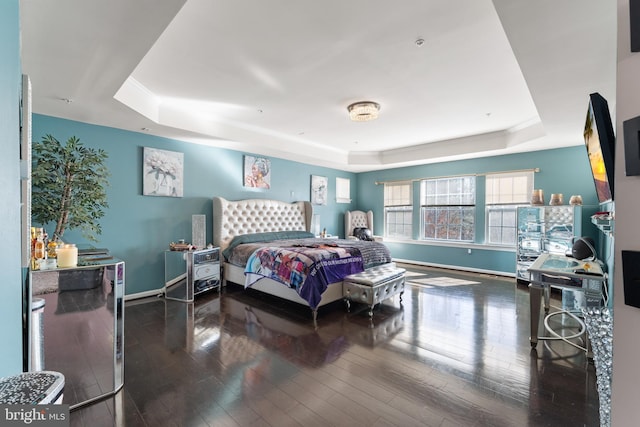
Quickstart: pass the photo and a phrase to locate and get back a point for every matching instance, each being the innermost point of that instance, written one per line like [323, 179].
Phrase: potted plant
[68, 186]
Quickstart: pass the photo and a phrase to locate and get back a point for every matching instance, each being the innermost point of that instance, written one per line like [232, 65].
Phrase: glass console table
[83, 324]
[562, 272]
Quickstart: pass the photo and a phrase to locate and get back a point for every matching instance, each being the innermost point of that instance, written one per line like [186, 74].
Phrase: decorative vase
[575, 200]
[537, 198]
[557, 199]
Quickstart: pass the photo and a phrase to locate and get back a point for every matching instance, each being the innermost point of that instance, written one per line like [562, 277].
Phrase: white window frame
[504, 193]
[343, 190]
[447, 208]
[398, 210]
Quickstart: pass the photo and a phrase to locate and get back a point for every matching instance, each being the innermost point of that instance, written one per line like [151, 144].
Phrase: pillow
[363, 233]
[265, 237]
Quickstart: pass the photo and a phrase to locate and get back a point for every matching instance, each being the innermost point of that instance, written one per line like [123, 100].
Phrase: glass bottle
[51, 248]
[34, 237]
[39, 252]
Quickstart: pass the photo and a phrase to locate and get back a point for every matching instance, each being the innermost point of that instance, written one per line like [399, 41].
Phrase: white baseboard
[177, 279]
[455, 267]
[160, 291]
[145, 294]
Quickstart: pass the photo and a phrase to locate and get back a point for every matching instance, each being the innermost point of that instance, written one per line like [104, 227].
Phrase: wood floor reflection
[455, 353]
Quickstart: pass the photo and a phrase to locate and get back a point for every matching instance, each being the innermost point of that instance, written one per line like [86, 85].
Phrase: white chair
[358, 219]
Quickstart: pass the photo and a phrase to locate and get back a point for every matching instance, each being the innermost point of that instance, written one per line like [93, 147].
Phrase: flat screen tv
[600, 143]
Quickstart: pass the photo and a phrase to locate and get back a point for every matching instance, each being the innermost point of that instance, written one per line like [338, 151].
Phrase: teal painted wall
[562, 170]
[138, 229]
[10, 265]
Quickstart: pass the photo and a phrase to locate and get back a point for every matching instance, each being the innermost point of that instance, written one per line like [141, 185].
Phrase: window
[398, 210]
[448, 208]
[504, 193]
[343, 190]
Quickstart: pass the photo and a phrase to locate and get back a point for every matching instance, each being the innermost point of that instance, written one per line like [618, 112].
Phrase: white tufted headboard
[234, 218]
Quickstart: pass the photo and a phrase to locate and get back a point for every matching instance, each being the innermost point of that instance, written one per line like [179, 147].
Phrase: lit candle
[67, 255]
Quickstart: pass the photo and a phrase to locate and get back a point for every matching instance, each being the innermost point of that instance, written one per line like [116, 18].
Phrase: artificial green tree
[68, 186]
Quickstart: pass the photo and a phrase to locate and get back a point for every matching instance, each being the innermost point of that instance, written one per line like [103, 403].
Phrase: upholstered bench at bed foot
[374, 285]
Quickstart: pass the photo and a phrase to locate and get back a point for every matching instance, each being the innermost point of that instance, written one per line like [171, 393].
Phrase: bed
[256, 224]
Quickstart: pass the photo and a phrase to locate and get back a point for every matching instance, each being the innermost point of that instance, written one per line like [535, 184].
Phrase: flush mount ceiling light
[363, 111]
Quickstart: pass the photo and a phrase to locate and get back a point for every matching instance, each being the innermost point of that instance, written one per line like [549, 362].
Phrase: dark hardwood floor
[456, 353]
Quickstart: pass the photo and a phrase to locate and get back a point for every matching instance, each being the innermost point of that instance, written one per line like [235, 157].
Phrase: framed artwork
[257, 172]
[162, 173]
[319, 189]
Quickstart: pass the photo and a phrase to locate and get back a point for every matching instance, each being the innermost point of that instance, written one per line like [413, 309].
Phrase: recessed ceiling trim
[136, 96]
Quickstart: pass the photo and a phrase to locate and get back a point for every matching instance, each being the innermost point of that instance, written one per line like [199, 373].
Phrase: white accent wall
[626, 322]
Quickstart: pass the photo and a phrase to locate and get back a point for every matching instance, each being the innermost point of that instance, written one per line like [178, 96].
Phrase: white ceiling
[275, 77]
